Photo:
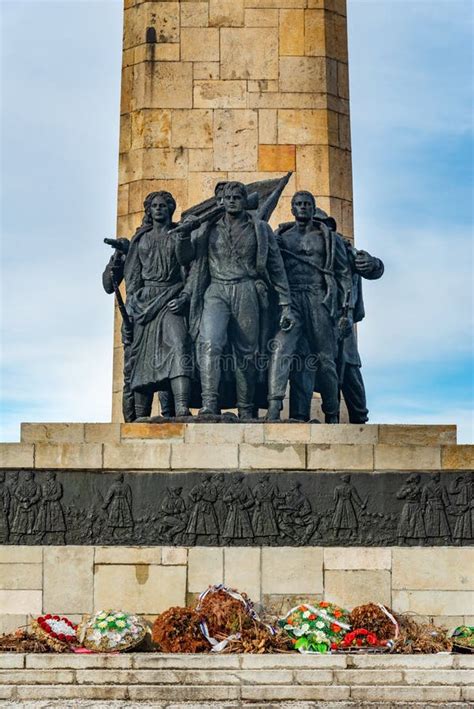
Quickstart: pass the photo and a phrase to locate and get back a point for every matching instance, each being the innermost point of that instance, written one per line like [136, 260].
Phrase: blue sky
[411, 102]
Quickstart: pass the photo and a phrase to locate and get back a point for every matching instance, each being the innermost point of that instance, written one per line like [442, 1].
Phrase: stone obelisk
[232, 89]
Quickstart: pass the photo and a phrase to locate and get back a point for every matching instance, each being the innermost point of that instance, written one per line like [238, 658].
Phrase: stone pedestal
[108, 566]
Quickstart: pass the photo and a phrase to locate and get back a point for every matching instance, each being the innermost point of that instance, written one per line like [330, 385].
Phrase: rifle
[341, 362]
[121, 245]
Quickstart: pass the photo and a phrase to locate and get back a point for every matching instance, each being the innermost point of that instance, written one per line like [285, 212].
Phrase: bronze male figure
[320, 280]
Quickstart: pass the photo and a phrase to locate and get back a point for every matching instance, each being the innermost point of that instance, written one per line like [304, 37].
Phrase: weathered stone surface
[52, 432]
[276, 158]
[147, 588]
[297, 571]
[368, 677]
[242, 570]
[261, 18]
[276, 455]
[457, 457]
[205, 567]
[137, 455]
[312, 169]
[68, 455]
[315, 33]
[435, 568]
[194, 14]
[267, 126]
[16, 455]
[433, 602]
[307, 127]
[345, 433]
[249, 53]
[20, 554]
[79, 661]
[21, 602]
[206, 70]
[352, 588]
[9, 623]
[145, 164]
[407, 457]
[396, 693]
[199, 44]
[352, 558]
[21, 576]
[162, 52]
[287, 433]
[152, 430]
[292, 692]
[127, 555]
[12, 660]
[163, 85]
[151, 128]
[200, 159]
[336, 457]
[226, 13]
[68, 579]
[209, 433]
[220, 94]
[292, 32]
[235, 139]
[174, 556]
[102, 432]
[262, 85]
[306, 75]
[203, 457]
[416, 435]
[162, 16]
[192, 128]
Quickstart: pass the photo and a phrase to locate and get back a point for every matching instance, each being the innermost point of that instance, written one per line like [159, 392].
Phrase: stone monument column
[232, 89]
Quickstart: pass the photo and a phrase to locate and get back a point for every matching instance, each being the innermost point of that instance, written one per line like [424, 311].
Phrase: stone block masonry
[238, 681]
[232, 89]
[75, 580]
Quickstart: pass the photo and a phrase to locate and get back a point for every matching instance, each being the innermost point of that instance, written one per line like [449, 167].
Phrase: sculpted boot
[274, 408]
[181, 386]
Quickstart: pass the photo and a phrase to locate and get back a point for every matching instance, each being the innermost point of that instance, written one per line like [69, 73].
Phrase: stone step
[169, 680]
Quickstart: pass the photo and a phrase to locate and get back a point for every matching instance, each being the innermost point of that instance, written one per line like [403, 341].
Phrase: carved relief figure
[264, 520]
[296, 519]
[435, 502]
[27, 495]
[50, 520]
[220, 506]
[320, 280]
[118, 507]
[4, 509]
[462, 491]
[239, 500]
[348, 503]
[203, 520]
[174, 517]
[11, 483]
[411, 523]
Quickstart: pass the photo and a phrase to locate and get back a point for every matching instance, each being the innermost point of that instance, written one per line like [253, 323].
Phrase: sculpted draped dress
[161, 345]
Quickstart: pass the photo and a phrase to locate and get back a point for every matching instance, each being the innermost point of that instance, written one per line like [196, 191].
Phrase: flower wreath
[56, 631]
[112, 631]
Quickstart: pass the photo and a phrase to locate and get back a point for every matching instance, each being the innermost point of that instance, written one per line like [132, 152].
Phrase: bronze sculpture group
[221, 312]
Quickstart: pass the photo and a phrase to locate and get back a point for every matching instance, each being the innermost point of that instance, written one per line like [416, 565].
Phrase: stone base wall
[436, 583]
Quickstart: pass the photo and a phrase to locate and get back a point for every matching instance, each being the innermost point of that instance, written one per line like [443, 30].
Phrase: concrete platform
[171, 681]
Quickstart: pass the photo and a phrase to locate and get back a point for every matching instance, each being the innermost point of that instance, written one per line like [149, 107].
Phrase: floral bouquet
[112, 631]
[360, 638]
[314, 628]
[463, 638]
[59, 633]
